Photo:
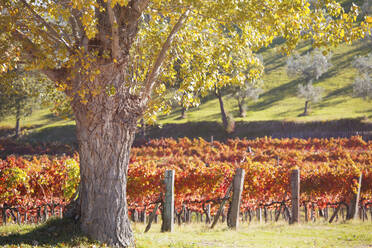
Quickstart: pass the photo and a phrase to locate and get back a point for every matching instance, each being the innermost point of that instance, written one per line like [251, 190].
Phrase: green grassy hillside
[277, 103]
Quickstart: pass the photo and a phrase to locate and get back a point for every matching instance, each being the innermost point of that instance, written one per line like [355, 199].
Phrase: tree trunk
[105, 128]
[223, 113]
[104, 157]
[183, 113]
[17, 127]
[242, 111]
[18, 119]
[306, 108]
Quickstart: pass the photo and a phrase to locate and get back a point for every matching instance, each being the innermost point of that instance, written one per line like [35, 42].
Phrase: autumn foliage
[329, 168]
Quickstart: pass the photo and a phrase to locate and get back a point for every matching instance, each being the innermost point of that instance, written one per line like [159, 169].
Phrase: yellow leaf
[368, 19]
[342, 33]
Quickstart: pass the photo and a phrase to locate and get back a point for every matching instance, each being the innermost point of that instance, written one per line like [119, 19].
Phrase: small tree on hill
[310, 67]
[362, 85]
[310, 93]
[24, 95]
[248, 92]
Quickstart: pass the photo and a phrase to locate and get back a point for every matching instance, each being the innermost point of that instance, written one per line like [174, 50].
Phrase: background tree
[310, 93]
[20, 93]
[250, 91]
[309, 67]
[181, 92]
[362, 85]
[367, 10]
[113, 57]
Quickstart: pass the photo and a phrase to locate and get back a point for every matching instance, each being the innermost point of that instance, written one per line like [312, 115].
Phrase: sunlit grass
[278, 102]
[64, 233]
[259, 235]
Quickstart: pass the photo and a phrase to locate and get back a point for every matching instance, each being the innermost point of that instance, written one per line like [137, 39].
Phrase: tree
[20, 92]
[362, 85]
[310, 93]
[249, 91]
[367, 10]
[310, 67]
[112, 57]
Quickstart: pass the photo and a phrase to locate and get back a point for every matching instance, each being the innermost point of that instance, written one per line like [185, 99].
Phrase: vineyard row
[203, 171]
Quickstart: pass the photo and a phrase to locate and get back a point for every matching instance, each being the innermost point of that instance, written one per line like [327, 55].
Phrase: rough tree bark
[105, 129]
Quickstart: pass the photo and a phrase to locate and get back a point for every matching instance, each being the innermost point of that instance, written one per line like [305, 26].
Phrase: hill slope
[277, 103]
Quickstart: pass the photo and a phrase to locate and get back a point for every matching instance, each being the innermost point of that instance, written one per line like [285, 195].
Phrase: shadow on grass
[63, 134]
[347, 90]
[54, 232]
[10, 131]
[53, 118]
[269, 98]
[255, 129]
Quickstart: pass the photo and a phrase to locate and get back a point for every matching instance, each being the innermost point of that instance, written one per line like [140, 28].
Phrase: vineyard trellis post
[168, 208]
[208, 214]
[354, 204]
[295, 191]
[4, 215]
[238, 183]
[18, 216]
[152, 217]
[221, 209]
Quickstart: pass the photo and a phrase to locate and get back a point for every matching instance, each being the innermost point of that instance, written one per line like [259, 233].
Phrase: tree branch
[154, 73]
[31, 50]
[115, 48]
[53, 32]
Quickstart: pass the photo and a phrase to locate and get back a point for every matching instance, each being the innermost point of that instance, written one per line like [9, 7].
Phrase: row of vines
[203, 172]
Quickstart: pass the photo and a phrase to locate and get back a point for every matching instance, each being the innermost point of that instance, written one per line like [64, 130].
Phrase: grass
[54, 233]
[277, 103]
[64, 233]
[42, 126]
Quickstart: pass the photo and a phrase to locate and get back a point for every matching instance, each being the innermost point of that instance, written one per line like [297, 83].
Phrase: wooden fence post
[295, 190]
[18, 216]
[45, 212]
[4, 215]
[221, 209]
[208, 214]
[168, 212]
[259, 215]
[354, 204]
[152, 216]
[61, 212]
[238, 183]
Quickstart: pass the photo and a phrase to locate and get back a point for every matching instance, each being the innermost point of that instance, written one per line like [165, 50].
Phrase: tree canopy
[362, 86]
[55, 36]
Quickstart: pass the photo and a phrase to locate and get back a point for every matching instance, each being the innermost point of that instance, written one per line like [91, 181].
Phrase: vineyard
[329, 172]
